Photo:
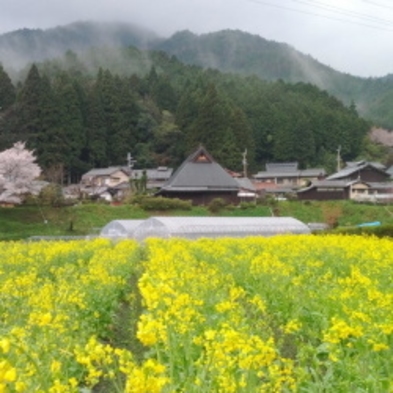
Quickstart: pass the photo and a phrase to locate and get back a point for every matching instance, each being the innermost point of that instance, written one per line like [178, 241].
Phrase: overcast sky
[353, 36]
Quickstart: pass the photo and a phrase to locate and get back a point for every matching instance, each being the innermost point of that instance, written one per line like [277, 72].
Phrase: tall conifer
[30, 103]
[71, 130]
[7, 90]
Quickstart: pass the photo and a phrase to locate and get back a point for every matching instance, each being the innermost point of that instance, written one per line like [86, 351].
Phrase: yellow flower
[55, 366]
[210, 334]
[73, 382]
[292, 326]
[5, 345]
[380, 347]
[20, 386]
[7, 372]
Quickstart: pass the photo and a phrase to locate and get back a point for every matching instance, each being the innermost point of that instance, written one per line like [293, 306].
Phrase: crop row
[281, 314]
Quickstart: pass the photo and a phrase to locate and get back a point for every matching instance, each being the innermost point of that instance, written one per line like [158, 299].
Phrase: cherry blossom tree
[18, 170]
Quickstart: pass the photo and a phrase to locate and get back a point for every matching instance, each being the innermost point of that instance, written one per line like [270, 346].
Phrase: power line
[378, 4]
[260, 2]
[344, 11]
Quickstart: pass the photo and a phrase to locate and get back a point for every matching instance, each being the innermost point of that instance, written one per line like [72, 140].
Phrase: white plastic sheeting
[120, 228]
[197, 227]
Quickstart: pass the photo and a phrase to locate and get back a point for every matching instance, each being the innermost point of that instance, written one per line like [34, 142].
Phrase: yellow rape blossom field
[281, 314]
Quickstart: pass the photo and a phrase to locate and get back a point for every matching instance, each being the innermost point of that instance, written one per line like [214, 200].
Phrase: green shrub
[216, 205]
[378, 231]
[247, 205]
[51, 195]
[291, 196]
[268, 200]
[160, 203]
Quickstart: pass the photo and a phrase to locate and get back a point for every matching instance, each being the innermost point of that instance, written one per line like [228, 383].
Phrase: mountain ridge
[231, 51]
[24, 46]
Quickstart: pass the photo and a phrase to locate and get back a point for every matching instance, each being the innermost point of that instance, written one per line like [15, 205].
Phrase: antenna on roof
[244, 162]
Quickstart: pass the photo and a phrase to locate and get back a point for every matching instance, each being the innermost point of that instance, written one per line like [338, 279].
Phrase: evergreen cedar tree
[7, 90]
[78, 120]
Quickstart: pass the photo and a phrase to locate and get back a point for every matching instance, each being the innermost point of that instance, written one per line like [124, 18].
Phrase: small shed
[121, 229]
[213, 227]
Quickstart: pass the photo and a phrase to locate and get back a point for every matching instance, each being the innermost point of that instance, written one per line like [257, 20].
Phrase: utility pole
[244, 162]
[130, 163]
[338, 159]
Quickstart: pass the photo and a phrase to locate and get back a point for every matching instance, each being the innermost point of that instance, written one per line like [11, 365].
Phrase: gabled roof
[389, 171]
[334, 184]
[280, 190]
[350, 170]
[95, 190]
[304, 173]
[245, 183]
[312, 172]
[282, 167]
[362, 162]
[375, 185]
[104, 171]
[124, 185]
[161, 173]
[200, 172]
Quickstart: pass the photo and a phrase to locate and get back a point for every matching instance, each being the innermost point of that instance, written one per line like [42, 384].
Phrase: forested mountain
[26, 45]
[76, 118]
[247, 54]
[228, 51]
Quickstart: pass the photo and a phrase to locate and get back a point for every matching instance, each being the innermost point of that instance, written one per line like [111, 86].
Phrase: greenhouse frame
[210, 227]
[120, 228]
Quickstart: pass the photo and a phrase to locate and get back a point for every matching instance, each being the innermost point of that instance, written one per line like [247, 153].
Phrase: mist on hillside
[123, 49]
[97, 43]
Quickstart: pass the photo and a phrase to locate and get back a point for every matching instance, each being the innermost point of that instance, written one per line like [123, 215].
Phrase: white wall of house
[359, 191]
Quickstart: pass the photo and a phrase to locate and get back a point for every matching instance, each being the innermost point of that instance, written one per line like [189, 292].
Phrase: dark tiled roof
[125, 185]
[362, 162]
[350, 170]
[327, 184]
[160, 173]
[104, 171]
[245, 183]
[280, 190]
[200, 172]
[282, 167]
[312, 172]
[390, 170]
[380, 186]
[332, 183]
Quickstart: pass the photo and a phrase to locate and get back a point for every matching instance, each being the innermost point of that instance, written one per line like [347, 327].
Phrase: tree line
[76, 119]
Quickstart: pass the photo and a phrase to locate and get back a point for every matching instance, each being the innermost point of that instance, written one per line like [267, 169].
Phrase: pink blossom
[18, 170]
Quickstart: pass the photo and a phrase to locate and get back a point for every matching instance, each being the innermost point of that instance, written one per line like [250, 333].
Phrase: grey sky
[352, 36]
